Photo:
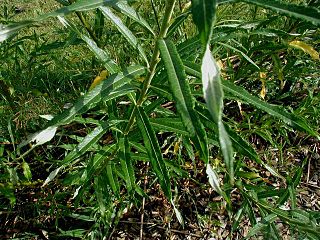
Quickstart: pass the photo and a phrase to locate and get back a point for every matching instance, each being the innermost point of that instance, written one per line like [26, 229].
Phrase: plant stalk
[85, 24]
[154, 60]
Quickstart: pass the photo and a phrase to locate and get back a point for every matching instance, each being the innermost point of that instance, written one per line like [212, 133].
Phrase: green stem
[88, 28]
[155, 14]
[85, 24]
[154, 60]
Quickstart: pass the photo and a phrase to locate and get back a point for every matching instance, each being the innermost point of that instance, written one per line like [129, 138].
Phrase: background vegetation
[159, 119]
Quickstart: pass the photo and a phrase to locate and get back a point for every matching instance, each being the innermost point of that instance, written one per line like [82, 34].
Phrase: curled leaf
[306, 48]
[213, 179]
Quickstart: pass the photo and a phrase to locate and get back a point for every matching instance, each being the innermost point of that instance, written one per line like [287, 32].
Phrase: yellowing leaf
[102, 76]
[306, 48]
[186, 6]
[141, 79]
[176, 147]
[263, 76]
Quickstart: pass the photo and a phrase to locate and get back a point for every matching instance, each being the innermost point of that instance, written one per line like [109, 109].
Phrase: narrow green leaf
[26, 170]
[89, 140]
[154, 151]
[96, 163]
[239, 143]
[212, 89]
[261, 225]
[130, 12]
[8, 191]
[203, 12]
[169, 125]
[126, 163]
[111, 177]
[303, 12]
[7, 31]
[103, 91]
[242, 53]
[52, 175]
[274, 110]
[291, 218]
[76, 233]
[124, 31]
[177, 22]
[178, 214]
[40, 137]
[83, 5]
[236, 92]
[101, 55]
[225, 1]
[182, 95]
[238, 216]
[242, 146]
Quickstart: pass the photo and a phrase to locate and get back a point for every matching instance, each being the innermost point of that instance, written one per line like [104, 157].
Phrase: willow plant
[167, 74]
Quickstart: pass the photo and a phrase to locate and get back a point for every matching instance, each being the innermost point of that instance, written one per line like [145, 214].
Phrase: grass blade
[242, 53]
[6, 31]
[182, 95]
[96, 163]
[154, 151]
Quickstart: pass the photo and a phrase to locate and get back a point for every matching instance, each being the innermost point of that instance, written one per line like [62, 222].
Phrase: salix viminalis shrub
[153, 77]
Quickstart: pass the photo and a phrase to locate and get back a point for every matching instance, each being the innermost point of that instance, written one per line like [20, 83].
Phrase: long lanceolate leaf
[213, 95]
[154, 151]
[116, 85]
[298, 11]
[124, 31]
[101, 92]
[203, 15]
[126, 163]
[183, 97]
[130, 12]
[82, 5]
[91, 139]
[233, 91]
[274, 110]
[101, 55]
